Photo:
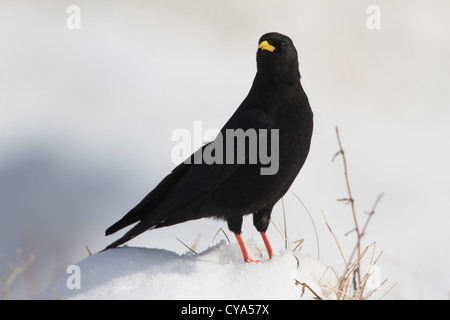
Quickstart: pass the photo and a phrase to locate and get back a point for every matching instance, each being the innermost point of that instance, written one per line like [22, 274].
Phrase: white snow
[216, 273]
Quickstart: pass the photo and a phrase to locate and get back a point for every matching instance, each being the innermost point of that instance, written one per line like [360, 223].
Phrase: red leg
[243, 249]
[267, 244]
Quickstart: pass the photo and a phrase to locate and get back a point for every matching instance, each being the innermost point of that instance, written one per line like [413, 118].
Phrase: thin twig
[351, 285]
[304, 284]
[15, 272]
[350, 199]
[371, 213]
[363, 231]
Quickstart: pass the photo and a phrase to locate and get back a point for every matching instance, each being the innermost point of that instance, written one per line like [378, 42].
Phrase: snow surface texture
[216, 273]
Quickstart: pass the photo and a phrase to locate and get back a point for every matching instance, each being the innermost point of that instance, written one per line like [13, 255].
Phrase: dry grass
[349, 286]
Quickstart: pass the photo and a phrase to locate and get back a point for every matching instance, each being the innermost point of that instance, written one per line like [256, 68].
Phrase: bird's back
[248, 190]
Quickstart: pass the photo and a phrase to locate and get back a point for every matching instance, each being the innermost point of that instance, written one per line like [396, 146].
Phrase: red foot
[244, 250]
[248, 260]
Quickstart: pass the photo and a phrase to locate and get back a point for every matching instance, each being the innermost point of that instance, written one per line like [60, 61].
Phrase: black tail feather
[133, 232]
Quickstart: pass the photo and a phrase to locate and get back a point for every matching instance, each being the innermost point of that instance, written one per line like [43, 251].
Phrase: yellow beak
[266, 46]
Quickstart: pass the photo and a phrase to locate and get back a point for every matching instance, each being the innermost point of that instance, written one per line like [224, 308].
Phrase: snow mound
[217, 273]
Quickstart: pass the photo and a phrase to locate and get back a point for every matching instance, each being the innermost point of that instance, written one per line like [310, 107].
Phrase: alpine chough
[237, 185]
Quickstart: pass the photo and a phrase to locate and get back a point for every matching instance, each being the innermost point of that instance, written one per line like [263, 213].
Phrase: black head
[277, 58]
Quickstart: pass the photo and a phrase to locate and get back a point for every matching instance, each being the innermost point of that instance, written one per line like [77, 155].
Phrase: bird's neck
[275, 81]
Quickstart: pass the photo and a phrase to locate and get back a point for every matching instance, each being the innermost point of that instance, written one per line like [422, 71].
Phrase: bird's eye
[283, 45]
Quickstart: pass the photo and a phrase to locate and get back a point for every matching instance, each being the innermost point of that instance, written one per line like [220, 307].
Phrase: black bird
[231, 189]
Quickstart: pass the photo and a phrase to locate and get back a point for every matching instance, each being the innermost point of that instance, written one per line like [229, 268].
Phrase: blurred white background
[86, 118]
